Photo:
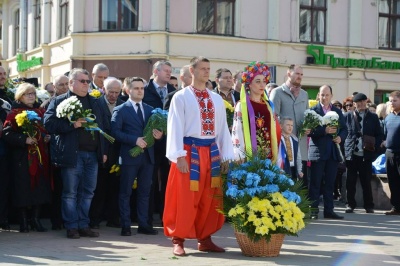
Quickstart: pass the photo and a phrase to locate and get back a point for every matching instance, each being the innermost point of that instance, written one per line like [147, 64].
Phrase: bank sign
[24, 65]
[320, 58]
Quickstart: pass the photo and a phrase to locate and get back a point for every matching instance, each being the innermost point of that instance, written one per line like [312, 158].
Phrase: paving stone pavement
[359, 239]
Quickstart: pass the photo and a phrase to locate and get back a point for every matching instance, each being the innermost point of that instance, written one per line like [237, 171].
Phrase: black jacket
[370, 127]
[151, 96]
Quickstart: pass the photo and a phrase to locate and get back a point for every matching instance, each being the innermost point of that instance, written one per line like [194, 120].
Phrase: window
[38, 13]
[389, 24]
[312, 21]
[16, 32]
[119, 15]
[64, 20]
[216, 16]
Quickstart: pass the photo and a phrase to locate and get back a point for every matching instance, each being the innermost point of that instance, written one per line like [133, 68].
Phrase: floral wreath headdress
[254, 69]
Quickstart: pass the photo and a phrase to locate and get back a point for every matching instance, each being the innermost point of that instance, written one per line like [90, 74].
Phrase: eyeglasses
[337, 105]
[83, 81]
[348, 105]
[64, 84]
[30, 94]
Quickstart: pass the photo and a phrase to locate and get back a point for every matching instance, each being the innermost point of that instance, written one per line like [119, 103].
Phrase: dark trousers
[5, 189]
[358, 167]
[393, 174]
[143, 172]
[322, 171]
[105, 199]
[306, 174]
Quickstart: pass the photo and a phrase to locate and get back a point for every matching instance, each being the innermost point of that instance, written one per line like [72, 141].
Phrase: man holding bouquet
[78, 152]
[325, 155]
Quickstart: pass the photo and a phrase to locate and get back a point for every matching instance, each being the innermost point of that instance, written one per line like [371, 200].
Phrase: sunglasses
[83, 81]
[348, 105]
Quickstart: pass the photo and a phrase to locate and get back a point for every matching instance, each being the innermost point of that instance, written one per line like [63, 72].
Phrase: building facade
[352, 45]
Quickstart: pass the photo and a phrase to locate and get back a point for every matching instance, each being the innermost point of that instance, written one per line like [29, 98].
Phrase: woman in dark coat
[29, 155]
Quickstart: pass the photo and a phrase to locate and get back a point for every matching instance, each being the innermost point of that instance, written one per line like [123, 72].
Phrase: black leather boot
[35, 221]
[23, 221]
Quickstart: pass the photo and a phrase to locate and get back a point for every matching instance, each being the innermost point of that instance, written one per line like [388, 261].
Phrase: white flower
[330, 118]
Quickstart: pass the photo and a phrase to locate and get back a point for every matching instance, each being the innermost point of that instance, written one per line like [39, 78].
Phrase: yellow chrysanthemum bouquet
[260, 200]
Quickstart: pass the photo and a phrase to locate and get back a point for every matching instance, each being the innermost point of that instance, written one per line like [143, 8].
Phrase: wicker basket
[261, 248]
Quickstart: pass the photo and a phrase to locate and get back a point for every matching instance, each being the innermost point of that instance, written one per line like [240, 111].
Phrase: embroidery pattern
[207, 112]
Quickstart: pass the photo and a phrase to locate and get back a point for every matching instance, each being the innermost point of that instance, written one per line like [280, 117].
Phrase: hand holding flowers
[331, 121]
[311, 121]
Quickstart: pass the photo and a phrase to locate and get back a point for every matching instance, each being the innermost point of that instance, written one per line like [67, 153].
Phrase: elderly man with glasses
[78, 153]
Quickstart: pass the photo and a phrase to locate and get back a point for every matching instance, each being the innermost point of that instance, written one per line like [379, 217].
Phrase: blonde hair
[381, 111]
[22, 89]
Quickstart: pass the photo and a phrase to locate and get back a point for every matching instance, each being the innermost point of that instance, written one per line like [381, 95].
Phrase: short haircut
[135, 79]
[195, 60]
[183, 70]
[157, 65]
[48, 84]
[109, 81]
[285, 118]
[73, 74]
[22, 89]
[219, 72]
[325, 85]
[293, 66]
[395, 94]
[99, 67]
[272, 85]
[173, 77]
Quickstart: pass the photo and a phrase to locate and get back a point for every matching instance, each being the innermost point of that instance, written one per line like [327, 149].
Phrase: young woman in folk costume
[28, 142]
[255, 127]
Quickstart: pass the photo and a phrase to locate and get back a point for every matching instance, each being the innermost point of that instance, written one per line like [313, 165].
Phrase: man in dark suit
[106, 194]
[100, 73]
[127, 125]
[325, 155]
[155, 95]
[224, 80]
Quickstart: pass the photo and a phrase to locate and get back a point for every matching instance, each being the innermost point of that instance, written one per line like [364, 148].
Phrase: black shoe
[393, 211]
[126, 231]
[73, 233]
[369, 210]
[113, 224]
[332, 215]
[349, 209]
[147, 231]
[87, 232]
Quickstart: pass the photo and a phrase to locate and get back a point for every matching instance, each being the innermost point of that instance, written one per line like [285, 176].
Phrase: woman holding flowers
[30, 161]
[255, 128]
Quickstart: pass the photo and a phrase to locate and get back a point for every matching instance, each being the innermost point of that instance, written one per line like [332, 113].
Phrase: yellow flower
[312, 103]
[134, 186]
[95, 93]
[21, 118]
[232, 212]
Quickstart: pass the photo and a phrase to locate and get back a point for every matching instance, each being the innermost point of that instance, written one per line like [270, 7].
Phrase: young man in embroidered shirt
[200, 141]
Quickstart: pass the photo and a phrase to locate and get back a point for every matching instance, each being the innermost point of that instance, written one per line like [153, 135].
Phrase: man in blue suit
[324, 155]
[127, 125]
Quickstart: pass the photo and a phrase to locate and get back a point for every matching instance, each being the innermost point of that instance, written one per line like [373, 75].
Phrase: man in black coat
[224, 80]
[360, 122]
[325, 155]
[105, 197]
[155, 95]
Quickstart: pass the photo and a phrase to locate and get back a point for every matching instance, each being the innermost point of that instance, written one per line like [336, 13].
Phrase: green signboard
[24, 65]
[320, 58]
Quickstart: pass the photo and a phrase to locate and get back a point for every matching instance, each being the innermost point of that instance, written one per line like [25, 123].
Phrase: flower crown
[254, 69]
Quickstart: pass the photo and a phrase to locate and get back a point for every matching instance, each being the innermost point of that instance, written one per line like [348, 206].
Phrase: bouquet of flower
[158, 120]
[30, 123]
[260, 201]
[229, 113]
[96, 93]
[311, 121]
[331, 119]
[312, 103]
[72, 109]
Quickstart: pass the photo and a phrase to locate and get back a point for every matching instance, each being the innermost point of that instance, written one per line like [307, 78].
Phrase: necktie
[288, 148]
[162, 96]
[140, 113]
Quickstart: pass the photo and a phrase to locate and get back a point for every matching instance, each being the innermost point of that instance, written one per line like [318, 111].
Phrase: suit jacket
[295, 154]
[321, 145]
[111, 149]
[127, 127]
[151, 96]
[235, 94]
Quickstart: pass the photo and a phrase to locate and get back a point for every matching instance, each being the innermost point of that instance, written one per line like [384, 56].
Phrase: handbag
[368, 143]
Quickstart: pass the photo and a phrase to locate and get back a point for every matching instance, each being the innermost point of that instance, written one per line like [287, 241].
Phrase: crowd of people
[47, 159]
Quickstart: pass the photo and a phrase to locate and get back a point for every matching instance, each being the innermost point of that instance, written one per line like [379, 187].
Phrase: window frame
[16, 30]
[391, 19]
[37, 18]
[64, 23]
[313, 8]
[119, 18]
[215, 19]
